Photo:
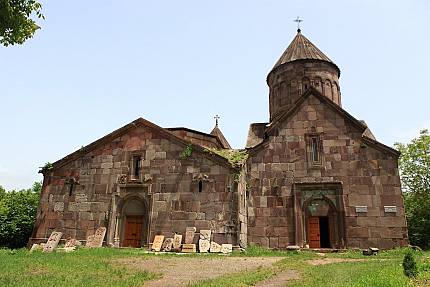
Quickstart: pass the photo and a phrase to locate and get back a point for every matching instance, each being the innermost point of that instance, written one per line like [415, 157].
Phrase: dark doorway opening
[324, 232]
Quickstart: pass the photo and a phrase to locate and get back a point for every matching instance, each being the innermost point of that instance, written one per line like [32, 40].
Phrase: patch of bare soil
[280, 279]
[332, 260]
[180, 271]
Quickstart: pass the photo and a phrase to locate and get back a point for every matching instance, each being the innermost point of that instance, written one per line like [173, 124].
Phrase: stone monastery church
[312, 176]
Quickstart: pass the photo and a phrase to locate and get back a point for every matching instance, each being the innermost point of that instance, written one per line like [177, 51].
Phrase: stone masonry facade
[313, 176]
[168, 187]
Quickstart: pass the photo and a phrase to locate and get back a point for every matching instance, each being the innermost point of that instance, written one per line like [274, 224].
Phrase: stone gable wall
[368, 176]
[171, 181]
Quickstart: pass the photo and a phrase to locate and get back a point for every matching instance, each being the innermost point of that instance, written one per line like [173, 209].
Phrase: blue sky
[97, 65]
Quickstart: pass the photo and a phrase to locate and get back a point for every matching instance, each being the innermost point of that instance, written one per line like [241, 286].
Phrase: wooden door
[314, 232]
[133, 231]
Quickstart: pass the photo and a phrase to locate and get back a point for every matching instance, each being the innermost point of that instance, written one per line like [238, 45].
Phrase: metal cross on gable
[216, 117]
[298, 21]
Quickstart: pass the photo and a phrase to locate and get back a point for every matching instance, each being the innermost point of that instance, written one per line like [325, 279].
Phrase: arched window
[336, 93]
[306, 83]
[318, 84]
[200, 186]
[328, 90]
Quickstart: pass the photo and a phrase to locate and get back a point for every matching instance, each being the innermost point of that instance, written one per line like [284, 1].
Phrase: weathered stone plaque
[52, 242]
[390, 209]
[226, 248]
[177, 242]
[215, 247]
[167, 245]
[90, 241]
[158, 242]
[361, 209]
[189, 248]
[205, 234]
[189, 235]
[204, 245]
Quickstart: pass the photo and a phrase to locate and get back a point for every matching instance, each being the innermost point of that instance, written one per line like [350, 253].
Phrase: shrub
[409, 265]
[17, 215]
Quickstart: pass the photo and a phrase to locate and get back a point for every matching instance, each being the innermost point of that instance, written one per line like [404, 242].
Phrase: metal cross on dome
[298, 21]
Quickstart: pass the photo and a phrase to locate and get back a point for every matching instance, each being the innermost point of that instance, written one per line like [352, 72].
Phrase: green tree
[414, 165]
[16, 20]
[17, 215]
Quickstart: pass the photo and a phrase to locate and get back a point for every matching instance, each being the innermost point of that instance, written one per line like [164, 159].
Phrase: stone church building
[313, 175]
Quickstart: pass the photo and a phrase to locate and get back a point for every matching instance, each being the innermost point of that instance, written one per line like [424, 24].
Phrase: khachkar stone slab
[204, 245]
[52, 242]
[158, 242]
[177, 242]
[205, 235]
[36, 247]
[72, 242]
[226, 248]
[96, 240]
[167, 245]
[189, 248]
[90, 240]
[99, 236]
[215, 247]
[189, 235]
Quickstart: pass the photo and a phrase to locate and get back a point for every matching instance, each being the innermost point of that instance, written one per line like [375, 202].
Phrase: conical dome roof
[302, 49]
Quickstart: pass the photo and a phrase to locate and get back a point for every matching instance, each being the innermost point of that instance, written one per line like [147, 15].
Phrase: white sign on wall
[361, 209]
[390, 209]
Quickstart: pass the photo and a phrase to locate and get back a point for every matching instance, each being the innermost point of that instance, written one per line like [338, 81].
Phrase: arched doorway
[322, 223]
[134, 222]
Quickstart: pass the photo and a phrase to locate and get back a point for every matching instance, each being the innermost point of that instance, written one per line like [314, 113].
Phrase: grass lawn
[96, 267]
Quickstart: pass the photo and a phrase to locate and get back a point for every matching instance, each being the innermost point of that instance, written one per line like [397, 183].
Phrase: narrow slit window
[200, 186]
[137, 166]
[314, 149]
[71, 182]
[71, 189]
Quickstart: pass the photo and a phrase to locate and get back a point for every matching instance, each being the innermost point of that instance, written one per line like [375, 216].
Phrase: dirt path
[332, 260]
[180, 271]
[280, 279]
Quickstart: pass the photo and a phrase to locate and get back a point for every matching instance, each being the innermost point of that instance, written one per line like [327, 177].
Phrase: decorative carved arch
[122, 202]
[122, 216]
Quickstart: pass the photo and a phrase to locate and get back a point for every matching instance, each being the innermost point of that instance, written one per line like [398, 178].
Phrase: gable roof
[220, 136]
[311, 91]
[211, 138]
[134, 124]
[302, 49]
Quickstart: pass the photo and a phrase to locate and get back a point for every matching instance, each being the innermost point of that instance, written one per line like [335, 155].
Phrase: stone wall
[168, 180]
[366, 172]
